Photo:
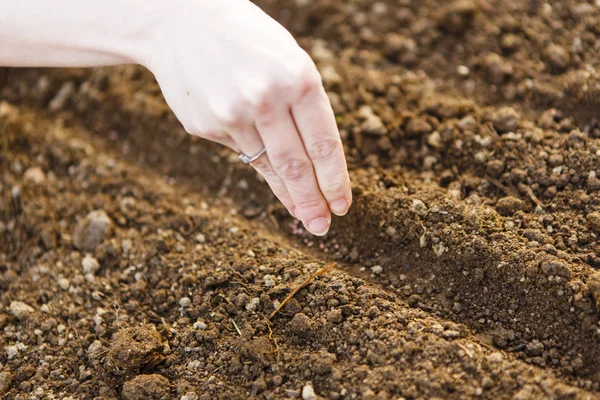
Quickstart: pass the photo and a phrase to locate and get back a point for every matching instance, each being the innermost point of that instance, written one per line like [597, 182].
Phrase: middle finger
[290, 161]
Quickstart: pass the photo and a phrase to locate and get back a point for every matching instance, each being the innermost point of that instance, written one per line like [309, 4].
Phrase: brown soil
[138, 262]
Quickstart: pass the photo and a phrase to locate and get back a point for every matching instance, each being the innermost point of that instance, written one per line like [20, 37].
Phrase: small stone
[495, 357]
[185, 301]
[557, 58]
[534, 349]
[377, 269]
[189, 396]
[200, 325]
[200, 238]
[90, 265]
[253, 304]
[592, 182]
[419, 207]
[147, 387]
[21, 310]
[439, 249]
[451, 334]
[506, 120]
[308, 392]
[63, 283]
[372, 124]
[92, 230]
[64, 94]
[95, 349]
[11, 352]
[467, 123]
[494, 168]
[34, 175]
[462, 70]
[556, 268]
[269, 281]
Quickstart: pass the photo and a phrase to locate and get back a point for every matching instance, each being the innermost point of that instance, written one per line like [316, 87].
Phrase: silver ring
[247, 159]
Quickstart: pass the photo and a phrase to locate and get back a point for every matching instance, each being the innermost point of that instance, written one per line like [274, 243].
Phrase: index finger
[315, 121]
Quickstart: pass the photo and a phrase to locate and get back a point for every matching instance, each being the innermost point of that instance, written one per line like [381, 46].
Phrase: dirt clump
[134, 348]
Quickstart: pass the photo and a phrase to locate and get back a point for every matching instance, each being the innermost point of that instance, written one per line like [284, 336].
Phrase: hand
[235, 76]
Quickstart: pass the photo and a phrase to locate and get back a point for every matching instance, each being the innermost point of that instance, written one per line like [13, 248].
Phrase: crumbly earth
[139, 262]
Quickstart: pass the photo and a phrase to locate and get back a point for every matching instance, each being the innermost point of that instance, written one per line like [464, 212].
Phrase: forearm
[75, 33]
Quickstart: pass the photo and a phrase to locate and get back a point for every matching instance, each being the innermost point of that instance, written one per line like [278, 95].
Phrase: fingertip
[339, 207]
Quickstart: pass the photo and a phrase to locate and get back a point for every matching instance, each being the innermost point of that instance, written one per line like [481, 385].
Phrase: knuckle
[267, 98]
[313, 204]
[293, 169]
[324, 149]
[310, 79]
[336, 187]
[264, 168]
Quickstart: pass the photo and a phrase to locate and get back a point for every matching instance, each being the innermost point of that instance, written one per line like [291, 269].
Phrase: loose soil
[138, 262]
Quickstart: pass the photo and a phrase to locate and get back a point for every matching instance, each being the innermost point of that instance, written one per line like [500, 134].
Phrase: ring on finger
[246, 159]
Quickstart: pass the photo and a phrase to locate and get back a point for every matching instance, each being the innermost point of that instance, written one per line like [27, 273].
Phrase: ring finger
[250, 144]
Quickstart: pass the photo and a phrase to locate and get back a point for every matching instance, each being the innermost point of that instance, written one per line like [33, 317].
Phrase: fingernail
[319, 226]
[339, 207]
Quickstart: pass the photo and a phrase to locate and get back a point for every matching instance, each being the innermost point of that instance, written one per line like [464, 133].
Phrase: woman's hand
[230, 73]
[235, 76]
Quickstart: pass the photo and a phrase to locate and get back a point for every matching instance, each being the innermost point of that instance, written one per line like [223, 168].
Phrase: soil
[138, 262]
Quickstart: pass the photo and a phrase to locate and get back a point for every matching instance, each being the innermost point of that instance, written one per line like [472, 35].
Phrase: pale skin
[229, 72]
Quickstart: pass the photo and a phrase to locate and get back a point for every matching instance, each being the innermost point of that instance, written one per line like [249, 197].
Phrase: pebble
[556, 268]
[200, 325]
[189, 396]
[185, 301]
[506, 120]
[372, 124]
[63, 283]
[495, 357]
[21, 310]
[308, 392]
[253, 304]
[376, 269]
[592, 182]
[64, 94]
[95, 349]
[557, 58]
[269, 281]
[11, 352]
[91, 230]
[419, 207]
[35, 175]
[200, 238]
[89, 265]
